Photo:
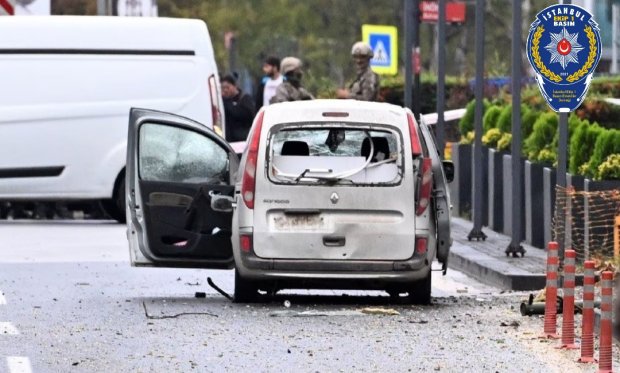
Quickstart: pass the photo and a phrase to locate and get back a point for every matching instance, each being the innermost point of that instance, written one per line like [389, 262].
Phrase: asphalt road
[70, 302]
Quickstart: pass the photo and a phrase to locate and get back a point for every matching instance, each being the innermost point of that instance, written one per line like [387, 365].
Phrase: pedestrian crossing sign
[382, 40]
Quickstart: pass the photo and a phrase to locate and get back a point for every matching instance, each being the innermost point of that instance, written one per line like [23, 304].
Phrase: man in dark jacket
[238, 110]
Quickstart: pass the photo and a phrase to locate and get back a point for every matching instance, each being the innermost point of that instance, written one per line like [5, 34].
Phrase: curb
[492, 271]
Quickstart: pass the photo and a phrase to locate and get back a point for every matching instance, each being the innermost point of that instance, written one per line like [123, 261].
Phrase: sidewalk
[487, 262]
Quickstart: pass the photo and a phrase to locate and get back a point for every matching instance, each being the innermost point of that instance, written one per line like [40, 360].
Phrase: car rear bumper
[377, 270]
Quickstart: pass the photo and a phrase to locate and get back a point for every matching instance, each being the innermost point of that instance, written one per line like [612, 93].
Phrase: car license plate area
[298, 222]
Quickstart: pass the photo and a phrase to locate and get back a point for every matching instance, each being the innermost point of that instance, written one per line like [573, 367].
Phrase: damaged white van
[328, 194]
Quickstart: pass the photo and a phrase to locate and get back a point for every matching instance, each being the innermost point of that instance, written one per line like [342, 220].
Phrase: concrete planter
[509, 181]
[533, 190]
[549, 181]
[460, 188]
[495, 202]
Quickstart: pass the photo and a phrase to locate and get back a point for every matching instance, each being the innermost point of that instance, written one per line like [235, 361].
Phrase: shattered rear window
[333, 153]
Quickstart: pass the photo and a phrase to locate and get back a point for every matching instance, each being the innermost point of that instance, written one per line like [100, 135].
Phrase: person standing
[365, 87]
[291, 89]
[270, 82]
[238, 110]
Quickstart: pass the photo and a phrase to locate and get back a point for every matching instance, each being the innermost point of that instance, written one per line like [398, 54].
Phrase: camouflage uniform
[365, 87]
[287, 92]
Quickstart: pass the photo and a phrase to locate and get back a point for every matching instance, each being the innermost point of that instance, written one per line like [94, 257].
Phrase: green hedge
[607, 143]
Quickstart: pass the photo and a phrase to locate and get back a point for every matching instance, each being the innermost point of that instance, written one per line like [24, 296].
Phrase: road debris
[161, 317]
[380, 311]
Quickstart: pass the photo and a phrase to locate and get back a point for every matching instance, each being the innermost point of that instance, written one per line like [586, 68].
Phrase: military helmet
[289, 64]
[361, 49]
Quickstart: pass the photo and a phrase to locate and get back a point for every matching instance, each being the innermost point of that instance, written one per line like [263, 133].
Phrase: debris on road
[154, 317]
[380, 311]
[218, 289]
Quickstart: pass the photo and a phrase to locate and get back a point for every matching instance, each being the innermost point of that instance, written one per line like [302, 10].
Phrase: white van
[66, 89]
[337, 194]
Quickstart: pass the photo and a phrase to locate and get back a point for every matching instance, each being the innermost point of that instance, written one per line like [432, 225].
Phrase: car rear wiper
[314, 170]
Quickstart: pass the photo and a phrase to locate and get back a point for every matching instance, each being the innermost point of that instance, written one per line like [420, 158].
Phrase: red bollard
[568, 306]
[604, 354]
[587, 321]
[551, 291]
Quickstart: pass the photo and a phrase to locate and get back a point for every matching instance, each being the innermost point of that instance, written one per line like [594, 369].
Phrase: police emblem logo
[564, 47]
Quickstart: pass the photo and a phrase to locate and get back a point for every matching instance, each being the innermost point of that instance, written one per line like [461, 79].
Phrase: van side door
[175, 166]
[441, 197]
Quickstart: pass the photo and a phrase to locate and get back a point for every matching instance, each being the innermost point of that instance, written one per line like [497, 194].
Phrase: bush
[491, 137]
[468, 138]
[527, 123]
[541, 138]
[598, 110]
[610, 169]
[466, 123]
[582, 145]
[489, 120]
[503, 144]
[607, 143]
[504, 122]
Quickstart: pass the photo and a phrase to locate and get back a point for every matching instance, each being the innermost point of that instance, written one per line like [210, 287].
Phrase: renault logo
[334, 198]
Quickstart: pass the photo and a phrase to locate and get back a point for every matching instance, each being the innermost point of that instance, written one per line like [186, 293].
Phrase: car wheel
[115, 207]
[420, 290]
[245, 291]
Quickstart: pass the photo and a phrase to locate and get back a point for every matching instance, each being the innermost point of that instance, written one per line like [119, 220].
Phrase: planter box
[460, 188]
[509, 181]
[549, 181]
[495, 202]
[533, 190]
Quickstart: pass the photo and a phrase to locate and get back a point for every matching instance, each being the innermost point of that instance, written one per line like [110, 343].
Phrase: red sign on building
[455, 11]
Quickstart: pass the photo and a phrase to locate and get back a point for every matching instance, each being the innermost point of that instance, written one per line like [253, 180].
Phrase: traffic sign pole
[408, 50]
[416, 47]
[441, 76]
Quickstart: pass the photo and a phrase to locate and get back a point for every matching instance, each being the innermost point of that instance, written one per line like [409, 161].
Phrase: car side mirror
[448, 169]
[222, 203]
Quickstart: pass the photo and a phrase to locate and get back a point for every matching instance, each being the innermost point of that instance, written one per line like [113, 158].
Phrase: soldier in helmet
[291, 89]
[365, 87]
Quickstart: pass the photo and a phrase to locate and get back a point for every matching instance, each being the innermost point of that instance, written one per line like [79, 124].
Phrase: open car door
[441, 198]
[174, 167]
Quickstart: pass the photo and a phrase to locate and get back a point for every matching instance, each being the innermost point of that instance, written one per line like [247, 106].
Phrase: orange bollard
[568, 306]
[587, 321]
[604, 353]
[551, 291]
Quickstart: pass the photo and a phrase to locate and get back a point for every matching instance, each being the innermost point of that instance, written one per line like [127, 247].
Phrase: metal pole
[416, 47]
[441, 76]
[101, 7]
[562, 150]
[515, 247]
[476, 232]
[615, 18]
[408, 50]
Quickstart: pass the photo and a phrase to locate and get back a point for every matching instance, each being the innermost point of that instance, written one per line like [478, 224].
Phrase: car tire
[245, 291]
[115, 207]
[420, 290]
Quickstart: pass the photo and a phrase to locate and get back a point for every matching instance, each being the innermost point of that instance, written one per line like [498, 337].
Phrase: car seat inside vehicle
[295, 148]
[381, 149]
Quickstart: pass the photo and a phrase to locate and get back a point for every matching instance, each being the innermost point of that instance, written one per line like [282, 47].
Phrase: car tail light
[424, 187]
[248, 183]
[245, 242]
[216, 112]
[421, 245]
[416, 146]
